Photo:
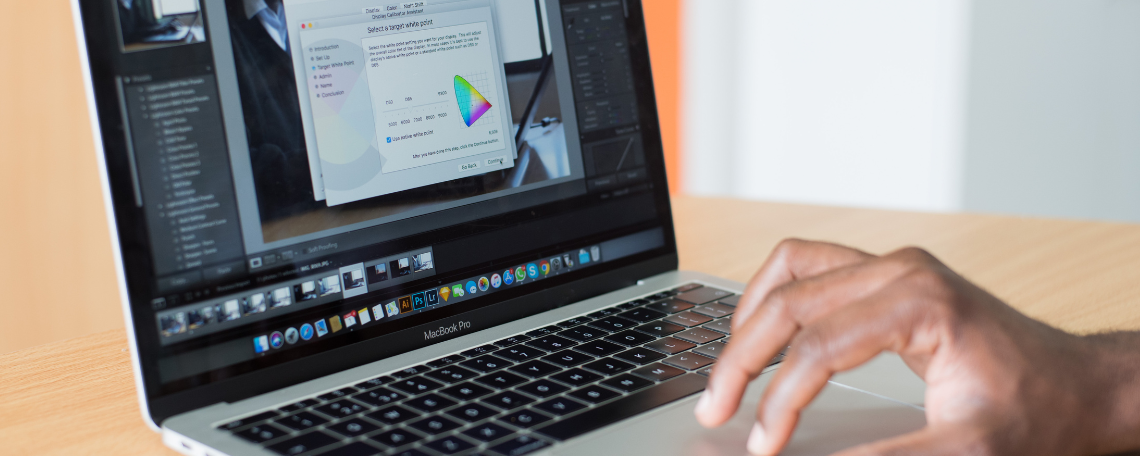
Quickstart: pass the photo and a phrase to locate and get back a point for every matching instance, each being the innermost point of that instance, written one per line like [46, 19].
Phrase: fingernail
[758, 440]
[704, 403]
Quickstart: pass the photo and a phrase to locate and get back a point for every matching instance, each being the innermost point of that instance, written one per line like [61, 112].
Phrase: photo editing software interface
[310, 169]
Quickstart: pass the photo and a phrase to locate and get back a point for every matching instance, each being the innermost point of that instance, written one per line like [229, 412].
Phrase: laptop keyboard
[520, 394]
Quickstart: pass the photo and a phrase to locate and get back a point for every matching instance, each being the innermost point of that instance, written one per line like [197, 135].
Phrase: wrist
[1116, 391]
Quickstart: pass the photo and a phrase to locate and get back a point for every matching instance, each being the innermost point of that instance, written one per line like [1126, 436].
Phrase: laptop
[357, 227]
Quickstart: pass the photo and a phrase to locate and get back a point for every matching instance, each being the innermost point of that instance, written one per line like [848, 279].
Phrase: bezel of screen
[107, 63]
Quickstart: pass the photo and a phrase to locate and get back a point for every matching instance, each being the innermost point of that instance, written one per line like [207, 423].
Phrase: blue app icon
[276, 340]
[471, 287]
[261, 344]
[508, 277]
[532, 270]
[583, 256]
[306, 331]
[432, 297]
[322, 328]
[419, 301]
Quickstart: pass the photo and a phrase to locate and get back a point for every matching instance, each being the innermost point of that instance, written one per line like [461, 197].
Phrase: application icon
[508, 277]
[322, 328]
[484, 284]
[378, 312]
[532, 270]
[276, 340]
[596, 253]
[567, 261]
[261, 344]
[364, 315]
[583, 256]
[432, 297]
[306, 331]
[555, 263]
[334, 323]
[496, 280]
[405, 304]
[392, 309]
[292, 336]
[457, 291]
[544, 267]
[471, 287]
[419, 301]
[350, 319]
[444, 293]
[520, 274]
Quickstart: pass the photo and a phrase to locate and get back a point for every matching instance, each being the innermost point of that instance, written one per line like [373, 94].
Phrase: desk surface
[78, 396]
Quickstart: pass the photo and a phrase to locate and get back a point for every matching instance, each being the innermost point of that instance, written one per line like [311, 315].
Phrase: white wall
[1013, 106]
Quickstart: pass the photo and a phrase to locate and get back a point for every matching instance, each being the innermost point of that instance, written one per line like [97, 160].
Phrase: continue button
[470, 166]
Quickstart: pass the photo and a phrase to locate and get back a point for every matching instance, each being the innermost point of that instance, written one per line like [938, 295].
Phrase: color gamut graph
[472, 105]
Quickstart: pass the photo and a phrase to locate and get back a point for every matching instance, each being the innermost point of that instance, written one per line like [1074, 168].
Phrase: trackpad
[839, 418]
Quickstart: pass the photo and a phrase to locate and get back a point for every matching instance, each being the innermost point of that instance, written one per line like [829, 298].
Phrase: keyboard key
[430, 403]
[304, 443]
[261, 433]
[552, 343]
[660, 328]
[545, 331]
[340, 409]
[642, 315]
[487, 432]
[613, 324]
[301, 421]
[561, 406]
[715, 310]
[452, 374]
[393, 415]
[630, 338]
[687, 287]
[670, 346]
[723, 325]
[411, 371]
[699, 336]
[466, 391]
[639, 355]
[630, 305]
[609, 366]
[449, 445]
[479, 351]
[730, 301]
[434, 425]
[520, 445]
[525, 418]
[410, 452]
[657, 372]
[353, 427]
[627, 383]
[445, 361]
[508, 400]
[397, 438]
[249, 420]
[472, 412]
[711, 350]
[567, 358]
[416, 385]
[576, 377]
[625, 407]
[703, 295]
[298, 406]
[535, 369]
[501, 380]
[575, 322]
[594, 394]
[354, 449]
[688, 319]
[513, 340]
[334, 395]
[670, 306]
[378, 397]
[378, 381]
[520, 353]
[605, 313]
[583, 333]
[661, 295]
[543, 388]
[599, 348]
[689, 361]
[486, 363]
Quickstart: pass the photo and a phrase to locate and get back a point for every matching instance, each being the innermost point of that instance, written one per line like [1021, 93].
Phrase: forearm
[1117, 356]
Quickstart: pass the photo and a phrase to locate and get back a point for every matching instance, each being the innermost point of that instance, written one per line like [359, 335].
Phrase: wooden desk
[77, 396]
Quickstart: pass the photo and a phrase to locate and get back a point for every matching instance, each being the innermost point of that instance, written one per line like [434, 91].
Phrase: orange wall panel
[662, 22]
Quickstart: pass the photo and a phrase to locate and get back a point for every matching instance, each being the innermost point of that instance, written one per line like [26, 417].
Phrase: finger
[928, 441]
[840, 341]
[794, 259]
[788, 308]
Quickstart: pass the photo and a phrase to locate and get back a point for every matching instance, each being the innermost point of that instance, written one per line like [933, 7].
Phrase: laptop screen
[291, 178]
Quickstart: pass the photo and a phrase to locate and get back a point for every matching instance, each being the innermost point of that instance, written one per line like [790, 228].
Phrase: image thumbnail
[305, 291]
[422, 262]
[153, 24]
[280, 298]
[173, 324]
[377, 273]
[330, 285]
[254, 304]
[201, 317]
[401, 267]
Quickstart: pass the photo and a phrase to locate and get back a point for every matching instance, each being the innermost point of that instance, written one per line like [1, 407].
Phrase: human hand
[998, 382]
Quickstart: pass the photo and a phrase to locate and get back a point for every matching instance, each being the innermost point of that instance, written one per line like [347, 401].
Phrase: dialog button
[631, 176]
[223, 271]
[469, 166]
[497, 161]
[603, 183]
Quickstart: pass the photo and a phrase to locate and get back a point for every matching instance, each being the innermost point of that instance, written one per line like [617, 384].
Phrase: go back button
[469, 166]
